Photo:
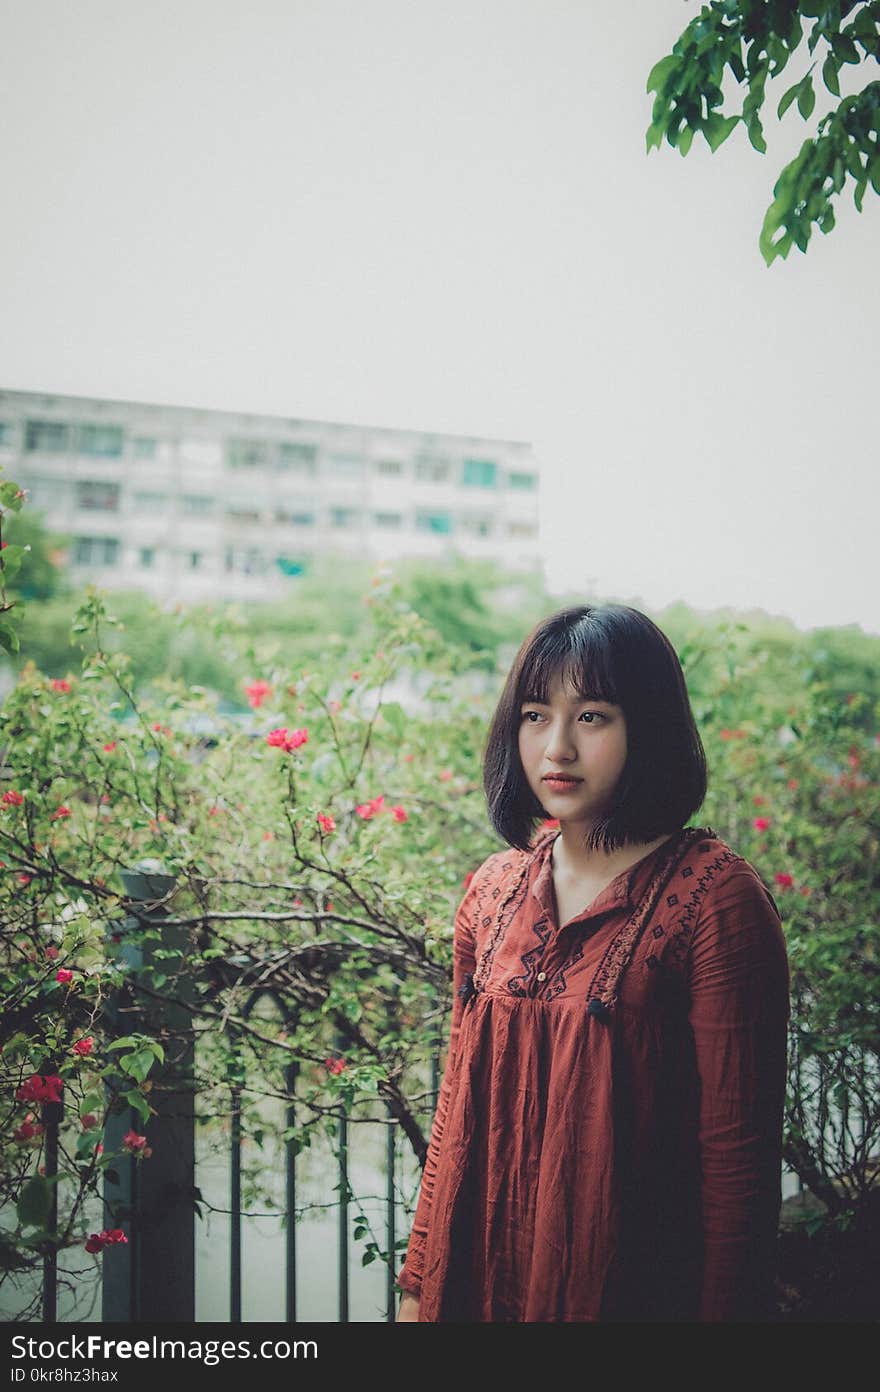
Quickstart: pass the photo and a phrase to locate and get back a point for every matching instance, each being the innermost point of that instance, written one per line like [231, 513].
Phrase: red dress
[607, 1139]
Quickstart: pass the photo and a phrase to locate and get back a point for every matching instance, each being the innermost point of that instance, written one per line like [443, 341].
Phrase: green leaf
[659, 73]
[756, 135]
[806, 98]
[787, 99]
[34, 1203]
[9, 638]
[829, 75]
[717, 128]
[139, 1102]
[685, 140]
[654, 138]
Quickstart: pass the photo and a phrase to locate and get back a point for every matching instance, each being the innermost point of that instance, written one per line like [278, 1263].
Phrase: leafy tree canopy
[753, 40]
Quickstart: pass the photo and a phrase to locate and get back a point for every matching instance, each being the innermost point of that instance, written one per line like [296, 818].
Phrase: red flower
[64, 975]
[784, 881]
[11, 798]
[327, 824]
[107, 1237]
[84, 1047]
[355, 676]
[62, 812]
[94, 1243]
[89, 1121]
[726, 735]
[52, 953]
[761, 823]
[25, 1132]
[108, 748]
[792, 783]
[445, 775]
[58, 684]
[409, 757]
[335, 1065]
[268, 836]
[40, 1089]
[759, 801]
[853, 756]
[399, 814]
[256, 692]
[134, 1143]
[328, 907]
[366, 810]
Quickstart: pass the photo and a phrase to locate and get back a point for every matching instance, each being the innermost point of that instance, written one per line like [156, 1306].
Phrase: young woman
[607, 1139]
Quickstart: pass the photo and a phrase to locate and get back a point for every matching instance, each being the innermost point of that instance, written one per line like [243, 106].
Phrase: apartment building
[189, 504]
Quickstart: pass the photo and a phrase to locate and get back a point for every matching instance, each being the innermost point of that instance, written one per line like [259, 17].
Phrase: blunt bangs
[613, 653]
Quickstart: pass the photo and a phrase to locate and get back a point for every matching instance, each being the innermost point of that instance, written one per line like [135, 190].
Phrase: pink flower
[24, 878]
[759, 801]
[58, 684]
[285, 739]
[784, 881]
[108, 748]
[268, 836]
[107, 1237]
[256, 692]
[355, 676]
[335, 705]
[365, 810]
[64, 975]
[11, 798]
[328, 907]
[761, 823]
[445, 775]
[792, 783]
[89, 1121]
[726, 734]
[327, 824]
[25, 1132]
[84, 1047]
[94, 1243]
[335, 1065]
[409, 758]
[399, 814]
[135, 1144]
[61, 812]
[52, 953]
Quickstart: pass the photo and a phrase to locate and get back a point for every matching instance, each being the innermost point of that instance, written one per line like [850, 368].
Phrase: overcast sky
[441, 216]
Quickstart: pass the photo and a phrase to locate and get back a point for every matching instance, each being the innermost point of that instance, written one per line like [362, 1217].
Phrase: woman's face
[581, 739]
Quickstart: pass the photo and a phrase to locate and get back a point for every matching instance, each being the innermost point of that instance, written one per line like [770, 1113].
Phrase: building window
[433, 522]
[296, 458]
[521, 480]
[46, 437]
[105, 441]
[432, 469]
[249, 562]
[150, 502]
[145, 447]
[247, 454]
[6, 432]
[479, 473]
[388, 519]
[346, 465]
[95, 551]
[147, 557]
[97, 496]
[343, 517]
[286, 517]
[476, 526]
[197, 505]
[242, 514]
[522, 529]
[393, 467]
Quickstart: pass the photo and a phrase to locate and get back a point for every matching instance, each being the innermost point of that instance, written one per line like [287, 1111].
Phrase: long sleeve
[739, 1007]
[463, 962]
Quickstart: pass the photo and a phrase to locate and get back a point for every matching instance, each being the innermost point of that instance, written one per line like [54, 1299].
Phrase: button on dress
[607, 1143]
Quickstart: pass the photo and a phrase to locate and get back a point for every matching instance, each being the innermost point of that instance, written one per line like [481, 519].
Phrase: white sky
[441, 216]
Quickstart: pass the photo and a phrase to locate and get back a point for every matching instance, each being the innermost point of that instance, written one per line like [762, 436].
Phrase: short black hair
[613, 653]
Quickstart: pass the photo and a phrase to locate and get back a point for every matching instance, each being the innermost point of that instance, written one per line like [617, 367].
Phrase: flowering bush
[317, 855]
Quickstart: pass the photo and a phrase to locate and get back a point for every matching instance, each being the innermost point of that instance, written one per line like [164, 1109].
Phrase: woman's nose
[559, 743]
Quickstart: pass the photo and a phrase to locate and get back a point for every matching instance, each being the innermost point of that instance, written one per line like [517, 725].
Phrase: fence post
[152, 1278]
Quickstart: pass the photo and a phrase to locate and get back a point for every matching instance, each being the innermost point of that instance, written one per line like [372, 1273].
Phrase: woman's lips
[562, 785]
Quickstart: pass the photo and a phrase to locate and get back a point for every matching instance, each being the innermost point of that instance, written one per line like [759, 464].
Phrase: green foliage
[752, 41]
